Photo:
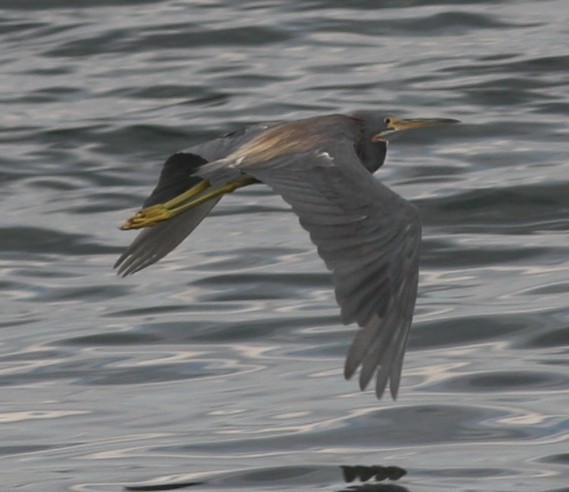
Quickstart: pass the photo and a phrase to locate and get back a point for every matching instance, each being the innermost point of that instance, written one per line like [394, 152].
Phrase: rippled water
[220, 367]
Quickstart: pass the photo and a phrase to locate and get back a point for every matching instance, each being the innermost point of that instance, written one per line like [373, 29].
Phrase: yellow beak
[395, 124]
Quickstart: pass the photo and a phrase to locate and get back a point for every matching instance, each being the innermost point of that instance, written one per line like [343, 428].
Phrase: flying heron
[368, 236]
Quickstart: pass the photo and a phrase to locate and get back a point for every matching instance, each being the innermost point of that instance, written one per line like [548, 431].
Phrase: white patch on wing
[326, 155]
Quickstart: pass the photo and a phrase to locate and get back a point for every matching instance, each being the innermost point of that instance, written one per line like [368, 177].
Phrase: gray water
[220, 367]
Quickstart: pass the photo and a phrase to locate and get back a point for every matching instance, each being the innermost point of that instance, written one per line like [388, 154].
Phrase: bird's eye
[387, 121]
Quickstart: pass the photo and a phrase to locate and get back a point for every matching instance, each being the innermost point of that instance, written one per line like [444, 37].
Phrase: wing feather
[153, 244]
[369, 237]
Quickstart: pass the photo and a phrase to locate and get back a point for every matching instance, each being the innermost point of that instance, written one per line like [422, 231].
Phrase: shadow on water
[300, 477]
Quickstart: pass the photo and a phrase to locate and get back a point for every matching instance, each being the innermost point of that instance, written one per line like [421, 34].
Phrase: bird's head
[378, 128]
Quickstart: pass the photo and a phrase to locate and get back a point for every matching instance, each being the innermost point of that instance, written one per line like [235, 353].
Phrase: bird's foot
[147, 217]
[191, 198]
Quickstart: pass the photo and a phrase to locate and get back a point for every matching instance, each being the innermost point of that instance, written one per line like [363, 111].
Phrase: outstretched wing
[177, 176]
[369, 237]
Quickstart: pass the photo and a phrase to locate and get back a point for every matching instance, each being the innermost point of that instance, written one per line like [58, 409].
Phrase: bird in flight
[368, 236]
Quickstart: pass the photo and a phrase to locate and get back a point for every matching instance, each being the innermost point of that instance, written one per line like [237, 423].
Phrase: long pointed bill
[198, 194]
[395, 125]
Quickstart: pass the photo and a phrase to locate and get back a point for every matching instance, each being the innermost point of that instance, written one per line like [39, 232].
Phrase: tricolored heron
[368, 236]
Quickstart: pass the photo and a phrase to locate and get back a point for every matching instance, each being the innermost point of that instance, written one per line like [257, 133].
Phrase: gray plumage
[368, 236]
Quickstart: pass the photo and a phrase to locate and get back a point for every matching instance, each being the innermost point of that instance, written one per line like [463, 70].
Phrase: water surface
[220, 367]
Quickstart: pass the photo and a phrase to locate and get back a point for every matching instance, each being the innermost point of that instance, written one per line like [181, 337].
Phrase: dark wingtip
[349, 369]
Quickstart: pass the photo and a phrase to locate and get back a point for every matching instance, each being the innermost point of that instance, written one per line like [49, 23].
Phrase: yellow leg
[150, 216]
[195, 190]
[176, 209]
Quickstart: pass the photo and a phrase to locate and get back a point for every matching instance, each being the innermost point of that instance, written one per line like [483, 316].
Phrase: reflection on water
[366, 478]
[220, 367]
[365, 473]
